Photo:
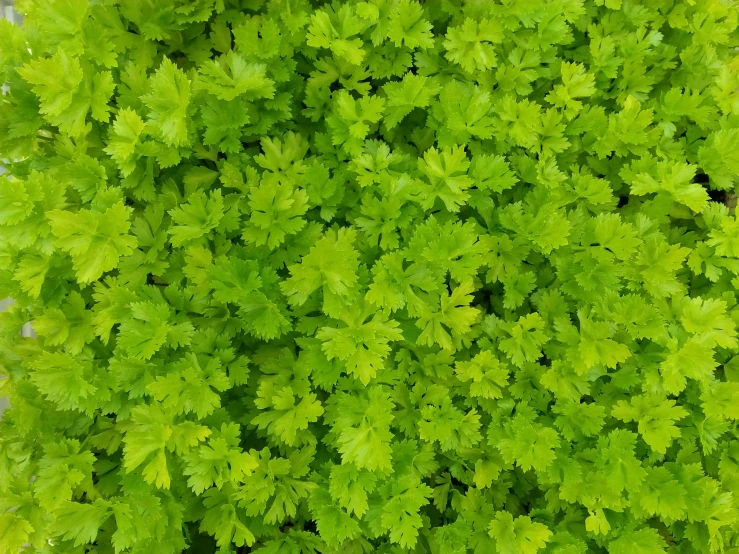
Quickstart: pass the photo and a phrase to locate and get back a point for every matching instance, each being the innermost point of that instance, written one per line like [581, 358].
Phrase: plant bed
[383, 276]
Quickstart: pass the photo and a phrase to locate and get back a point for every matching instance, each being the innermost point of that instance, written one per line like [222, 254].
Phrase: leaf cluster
[440, 277]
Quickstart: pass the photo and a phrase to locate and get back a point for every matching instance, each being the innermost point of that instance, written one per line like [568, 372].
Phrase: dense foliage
[371, 276]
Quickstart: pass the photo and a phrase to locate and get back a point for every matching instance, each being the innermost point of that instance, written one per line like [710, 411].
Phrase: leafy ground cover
[370, 276]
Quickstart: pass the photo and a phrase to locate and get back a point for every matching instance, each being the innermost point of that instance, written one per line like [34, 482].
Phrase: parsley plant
[439, 276]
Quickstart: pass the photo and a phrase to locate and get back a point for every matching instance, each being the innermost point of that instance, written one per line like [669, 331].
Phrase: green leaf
[362, 428]
[524, 339]
[414, 91]
[663, 495]
[70, 326]
[471, 44]
[218, 462]
[127, 130]
[487, 375]
[334, 31]
[63, 379]
[448, 323]
[232, 76]
[518, 536]
[641, 541]
[333, 522]
[14, 532]
[224, 122]
[68, 91]
[80, 522]
[223, 521]
[197, 218]
[284, 416]
[528, 444]
[95, 241]
[675, 180]
[408, 27]
[401, 513]
[446, 172]
[191, 388]
[656, 418]
[331, 264]
[168, 102]
[150, 435]
[361, 345]
[276, 213]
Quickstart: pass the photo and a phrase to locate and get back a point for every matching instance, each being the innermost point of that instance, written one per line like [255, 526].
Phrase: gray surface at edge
[6, 12]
